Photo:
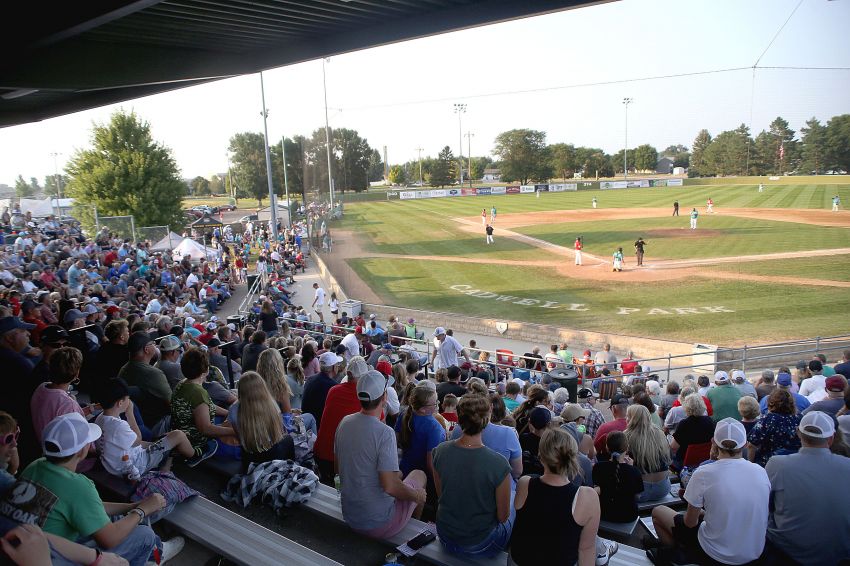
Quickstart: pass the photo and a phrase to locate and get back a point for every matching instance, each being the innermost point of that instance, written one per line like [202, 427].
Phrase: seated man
[375, 500]
[66, 504]
[727, 500]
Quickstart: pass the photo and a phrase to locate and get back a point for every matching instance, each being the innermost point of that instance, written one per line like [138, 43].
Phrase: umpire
[639, 245]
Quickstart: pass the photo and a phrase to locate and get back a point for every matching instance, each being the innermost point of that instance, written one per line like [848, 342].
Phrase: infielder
[761, 187]
[493, 215]
[694, 216]
[489, 231]
[709, 205]
[618, 260]
[484, 217]
[836, 202]
[578, 246]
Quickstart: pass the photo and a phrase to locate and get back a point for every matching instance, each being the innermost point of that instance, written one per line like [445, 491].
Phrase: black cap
[214, 343]
[176, 330]
[619, 399]
[138, 341]
[53, 334]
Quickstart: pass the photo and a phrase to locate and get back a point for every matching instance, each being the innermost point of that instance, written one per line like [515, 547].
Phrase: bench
[612, 528]
[669, 500]
[325, 501]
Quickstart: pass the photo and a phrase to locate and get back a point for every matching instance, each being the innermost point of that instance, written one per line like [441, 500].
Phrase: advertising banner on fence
[674, 182]
[483, 191]
[561, 187]
[658, 182]
[606, 185]
[541, 187]
[404, 195]
[423, 194]
[437, 193]
[497, 190]
[468, 192]
[526, 189]
[453, 192]
[392, 195]
[513, 190]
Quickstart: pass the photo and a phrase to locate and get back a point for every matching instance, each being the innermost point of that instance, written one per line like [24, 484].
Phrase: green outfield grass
[671, 238]
[831, 268]
[802, 311]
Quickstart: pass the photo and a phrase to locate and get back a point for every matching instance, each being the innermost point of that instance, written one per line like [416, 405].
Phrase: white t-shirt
[447, 352]
[352, 345]
[812, 384]
[192, 280]
[734, 494]
[118, 439]
[320, 297]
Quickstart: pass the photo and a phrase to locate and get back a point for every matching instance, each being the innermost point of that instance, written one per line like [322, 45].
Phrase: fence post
[669, 365]
[744, 359]
[133, 227]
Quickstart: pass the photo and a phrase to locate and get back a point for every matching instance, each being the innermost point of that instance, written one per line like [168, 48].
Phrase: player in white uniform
[694, 216]
[593, 202]
[709, 206]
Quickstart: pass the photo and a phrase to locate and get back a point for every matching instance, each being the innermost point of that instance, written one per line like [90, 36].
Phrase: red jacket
[341, 402]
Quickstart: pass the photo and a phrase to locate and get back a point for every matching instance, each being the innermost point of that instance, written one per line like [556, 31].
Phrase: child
[449, 411]
[617, 482]
[122, 451]
[9, 432]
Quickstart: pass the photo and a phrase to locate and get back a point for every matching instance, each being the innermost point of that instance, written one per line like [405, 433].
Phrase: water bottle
[131, 471]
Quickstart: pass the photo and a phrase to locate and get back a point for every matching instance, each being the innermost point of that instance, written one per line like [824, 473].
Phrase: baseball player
[484, 217]
[761, 187]
[639, 245]
[836, 202]
[618, 260]
[578, 246]
[493, 215]
[489, 231]
[538, 192]
[593, 202]
[694, 216]
[675, 208]
[709, 206]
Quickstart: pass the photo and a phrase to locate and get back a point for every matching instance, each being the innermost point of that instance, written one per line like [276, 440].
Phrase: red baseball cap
[835, 383]
[384, 367]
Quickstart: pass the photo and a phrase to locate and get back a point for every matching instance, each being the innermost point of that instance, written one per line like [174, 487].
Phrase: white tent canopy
[39, 208]
[195, 250]
[167, 243]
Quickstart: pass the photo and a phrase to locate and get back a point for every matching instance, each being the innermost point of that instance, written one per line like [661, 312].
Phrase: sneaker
[212, 447]
[171, 548]
[611, 549]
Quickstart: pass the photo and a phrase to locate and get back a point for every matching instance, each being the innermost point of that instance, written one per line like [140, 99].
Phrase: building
[664, 165]
[491, 175]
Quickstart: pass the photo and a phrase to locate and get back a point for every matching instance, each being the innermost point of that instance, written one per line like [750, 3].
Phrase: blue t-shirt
[498, 438]
[428, 433]
[802, 403]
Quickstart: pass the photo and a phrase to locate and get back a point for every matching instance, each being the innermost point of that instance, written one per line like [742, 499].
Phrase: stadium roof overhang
[63, 57]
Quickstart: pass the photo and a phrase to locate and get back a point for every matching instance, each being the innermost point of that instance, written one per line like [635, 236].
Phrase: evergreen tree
[444, 168]
[697, 167]
[814, 148]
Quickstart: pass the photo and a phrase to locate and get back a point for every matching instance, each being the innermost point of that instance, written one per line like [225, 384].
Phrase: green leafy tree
[775, 150]
[51, 189]
[200, 186]
[592, 162]
[646, 157]
[126, 172]
[679, 154]
[443, 170]
[376, 166]
[563, 159]
[353, 159]
[727, 153]
[476, 171]
[398, 175]
[36, 188]
[617, 161]
[838, 142]
[523, 155]
[216, 184]
[697, 166]
[22, 188]
[294, 167]
[248, 164]
[813, 147]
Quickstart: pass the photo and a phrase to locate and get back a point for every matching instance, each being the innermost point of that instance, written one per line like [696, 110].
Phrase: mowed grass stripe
[829, 268]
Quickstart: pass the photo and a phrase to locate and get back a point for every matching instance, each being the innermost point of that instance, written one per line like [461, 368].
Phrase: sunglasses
[7, 439]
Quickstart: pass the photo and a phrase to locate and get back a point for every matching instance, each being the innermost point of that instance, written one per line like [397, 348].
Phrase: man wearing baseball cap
[316, 388]
[375, 500]
[170, 349]
[808, 521]
[739, 380]
[341, 401]
[733, 493]
[724, 398]
[446, 350]
[154, 398]
[834, 401]
[67, 504]
[783, 381]
[587, 400]
[619, 404]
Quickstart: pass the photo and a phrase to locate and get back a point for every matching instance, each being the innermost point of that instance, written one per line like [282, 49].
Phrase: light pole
[626, 102]
[272, 204]
[328, 135]
[419, 149]
[460, 108]
[54, 155]
[469, 136]
[286, 182]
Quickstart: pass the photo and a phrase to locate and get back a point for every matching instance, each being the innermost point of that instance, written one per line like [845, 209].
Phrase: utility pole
[469, 136]
[626, 102]
[286, 183]
[56, 176]
[272, 204]
[419, 149]
[230, 179]
[328, 135]
[460, 108]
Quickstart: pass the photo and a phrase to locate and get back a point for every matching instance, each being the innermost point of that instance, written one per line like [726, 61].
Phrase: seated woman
[618, 482]
[555, 516]
[776, 431]
[192, 409]
[52, 399]
[473, 483]
[696, 428]
[419, 433]
[651, 454]
[257, 421]
[535, 396]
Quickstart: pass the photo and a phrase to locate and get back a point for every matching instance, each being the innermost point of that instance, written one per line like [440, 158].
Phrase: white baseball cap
[67, 434]
[329, 359]
[357, 367]
[739, 375]
[721, 377]
[817, 424]
[730, 429]
[439, 330]
[371, 386]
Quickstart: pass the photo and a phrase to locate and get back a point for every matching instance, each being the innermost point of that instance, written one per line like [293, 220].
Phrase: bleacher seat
[669, 500]
[612, 528]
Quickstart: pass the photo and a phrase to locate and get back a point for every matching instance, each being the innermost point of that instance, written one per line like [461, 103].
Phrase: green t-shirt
[510, 404]
[186, 397]
[724, 402]
[566, 355]
[469, 478]
[62, 502]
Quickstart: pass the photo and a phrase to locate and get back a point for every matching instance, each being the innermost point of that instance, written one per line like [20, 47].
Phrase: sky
[558, 73]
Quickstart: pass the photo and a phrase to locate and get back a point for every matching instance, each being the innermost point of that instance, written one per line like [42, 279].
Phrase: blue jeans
[494, 543]
[653, 491]
[137, 548]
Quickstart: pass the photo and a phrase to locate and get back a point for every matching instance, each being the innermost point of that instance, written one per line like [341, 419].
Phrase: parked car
[227, 207]
[193, 213]
[248, 218]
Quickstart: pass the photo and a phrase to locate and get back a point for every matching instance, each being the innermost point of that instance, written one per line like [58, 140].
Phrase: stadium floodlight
[626, 102]
[460, 108]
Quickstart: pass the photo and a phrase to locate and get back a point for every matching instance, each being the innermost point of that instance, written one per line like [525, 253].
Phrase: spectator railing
[253, 290]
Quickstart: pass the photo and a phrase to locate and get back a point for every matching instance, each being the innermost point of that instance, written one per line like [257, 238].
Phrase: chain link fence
[153, 234]
[123, 227]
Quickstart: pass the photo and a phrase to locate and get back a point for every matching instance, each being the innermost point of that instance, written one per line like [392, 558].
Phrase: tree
[563, 159]
[478, 166]
[813, 147]
[126, 172]
[838, 142]
[294, 167]
[646, 157]
[593, 162]
[50, 187]
[775, 150]
[398, 176]
[216, 185]
[249, 165]
[376, 166]
[22, 188]
[443, 170]
[617, 161]
[200, 186]
[727, 153]
[697, 166]
[36, 188]
[679, 154]
[524, 155]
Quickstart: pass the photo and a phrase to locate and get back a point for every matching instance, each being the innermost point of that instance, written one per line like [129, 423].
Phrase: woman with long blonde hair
[270, 366]
[257, 421]
[650, 451]
[419, 433]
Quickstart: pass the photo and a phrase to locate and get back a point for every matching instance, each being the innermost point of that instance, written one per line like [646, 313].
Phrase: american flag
[782, 150]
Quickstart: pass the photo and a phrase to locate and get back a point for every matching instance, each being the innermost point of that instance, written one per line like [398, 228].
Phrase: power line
[782, 27]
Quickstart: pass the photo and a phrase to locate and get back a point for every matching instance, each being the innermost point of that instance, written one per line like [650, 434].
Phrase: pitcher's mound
[683, 232]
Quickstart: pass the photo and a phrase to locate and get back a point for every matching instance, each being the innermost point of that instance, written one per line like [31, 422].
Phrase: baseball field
[763, 266]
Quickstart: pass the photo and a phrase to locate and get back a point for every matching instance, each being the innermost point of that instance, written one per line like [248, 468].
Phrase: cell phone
[421, 540]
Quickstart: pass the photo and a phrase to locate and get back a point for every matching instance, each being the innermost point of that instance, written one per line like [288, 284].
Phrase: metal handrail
[249, 297]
